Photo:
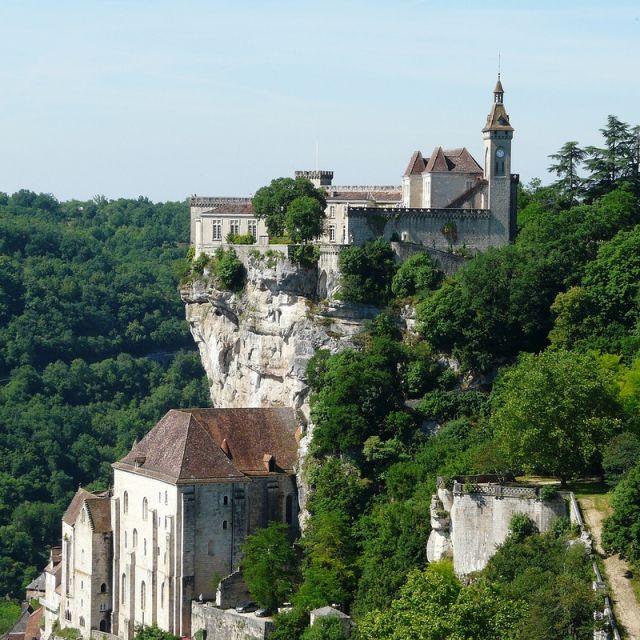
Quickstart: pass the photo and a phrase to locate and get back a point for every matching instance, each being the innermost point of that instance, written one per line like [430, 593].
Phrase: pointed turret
[498, 119]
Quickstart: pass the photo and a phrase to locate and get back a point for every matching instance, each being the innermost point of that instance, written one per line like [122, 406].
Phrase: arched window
[125, 502]
[135, 538]
[81, 621]
[124, 588]
[224, 524]
[103, 625]
[143, 595]
[82, 516]
[103, 587]
[288, 516]
[145, 508]
[225, 500]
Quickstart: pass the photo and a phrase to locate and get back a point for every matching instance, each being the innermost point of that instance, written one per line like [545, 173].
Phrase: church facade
[184, 500]
[446, 201]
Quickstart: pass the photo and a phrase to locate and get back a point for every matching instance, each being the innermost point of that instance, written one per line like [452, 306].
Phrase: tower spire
[498, 92]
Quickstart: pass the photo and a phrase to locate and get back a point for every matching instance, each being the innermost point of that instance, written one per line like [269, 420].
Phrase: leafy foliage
[366, 272]
[418, 273]
[268, 565]
[553, 412]
[153, 632]
[621, 531]
[293, 206]
[91, 354]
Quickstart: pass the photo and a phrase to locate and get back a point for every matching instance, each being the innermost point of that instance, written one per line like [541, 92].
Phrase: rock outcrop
[255, 345]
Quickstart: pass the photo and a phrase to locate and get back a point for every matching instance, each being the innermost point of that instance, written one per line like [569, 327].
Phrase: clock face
[500, 152]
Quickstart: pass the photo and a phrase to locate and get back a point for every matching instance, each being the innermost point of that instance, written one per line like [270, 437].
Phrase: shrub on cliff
[228, 269]
[366, 273]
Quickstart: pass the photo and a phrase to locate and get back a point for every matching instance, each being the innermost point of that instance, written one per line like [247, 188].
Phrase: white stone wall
[479, 523]
[227, 624]
[137, 539]
[440, 188]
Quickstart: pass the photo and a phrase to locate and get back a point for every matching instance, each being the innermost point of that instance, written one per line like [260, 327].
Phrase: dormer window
[269, 462]
[139, 460]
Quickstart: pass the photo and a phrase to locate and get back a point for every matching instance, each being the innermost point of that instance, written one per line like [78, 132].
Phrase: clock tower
[497, 135]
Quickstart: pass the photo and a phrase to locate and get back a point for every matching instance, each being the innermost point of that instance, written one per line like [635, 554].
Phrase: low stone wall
[447, 262]
[226, 624]
[232, 591]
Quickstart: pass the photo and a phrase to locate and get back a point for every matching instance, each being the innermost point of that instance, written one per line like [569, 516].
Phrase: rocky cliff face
[255, 345]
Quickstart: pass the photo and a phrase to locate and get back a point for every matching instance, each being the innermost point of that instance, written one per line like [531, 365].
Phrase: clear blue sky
[166, 98]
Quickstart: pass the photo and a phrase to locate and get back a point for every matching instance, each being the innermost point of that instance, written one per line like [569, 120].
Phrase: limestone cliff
[255, 345]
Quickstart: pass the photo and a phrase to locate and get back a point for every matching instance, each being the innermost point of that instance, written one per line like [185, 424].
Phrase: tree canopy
[292, 206]
[553, 412]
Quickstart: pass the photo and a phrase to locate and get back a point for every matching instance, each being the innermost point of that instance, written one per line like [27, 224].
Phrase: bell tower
[497, 135]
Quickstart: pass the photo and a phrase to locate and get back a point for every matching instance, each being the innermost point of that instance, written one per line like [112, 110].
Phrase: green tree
[325, 628]
[567, 161]
[620, 455]
[304, 218]
[268, 565]
[614, 160]
[621, 530]
[553, 411]
[272, 204]
[417, 274]
[366, 272]
[153, 633]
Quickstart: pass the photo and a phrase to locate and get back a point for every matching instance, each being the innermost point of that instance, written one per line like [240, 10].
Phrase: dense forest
[526, 361]
[93, 351]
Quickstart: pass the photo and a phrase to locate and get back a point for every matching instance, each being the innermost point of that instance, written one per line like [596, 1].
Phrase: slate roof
[215, 444]
[329, 611]
[38, 584]
[245, 209]
[368, 196]
[452, 160]
[98, 508]
[416, 164]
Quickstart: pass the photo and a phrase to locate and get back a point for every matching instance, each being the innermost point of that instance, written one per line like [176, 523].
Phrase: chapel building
[184, 500]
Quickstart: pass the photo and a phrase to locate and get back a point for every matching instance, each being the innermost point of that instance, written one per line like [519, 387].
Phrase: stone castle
[446, 202]
[187, 495]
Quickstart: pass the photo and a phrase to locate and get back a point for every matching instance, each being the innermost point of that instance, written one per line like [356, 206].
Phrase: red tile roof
[215, 444]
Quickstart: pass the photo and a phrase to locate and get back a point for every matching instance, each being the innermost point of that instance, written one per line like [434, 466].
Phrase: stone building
[446, 201]
[183, 501]
[83, 597]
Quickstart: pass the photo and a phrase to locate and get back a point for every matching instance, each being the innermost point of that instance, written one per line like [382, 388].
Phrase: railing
[420, 212]
[495, 490]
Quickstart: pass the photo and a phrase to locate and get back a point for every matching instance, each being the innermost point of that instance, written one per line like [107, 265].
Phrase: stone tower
[497, 135]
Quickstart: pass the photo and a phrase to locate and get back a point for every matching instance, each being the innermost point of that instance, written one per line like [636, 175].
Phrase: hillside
[93, 351]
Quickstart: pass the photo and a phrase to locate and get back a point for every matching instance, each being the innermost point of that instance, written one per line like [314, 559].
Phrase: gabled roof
[215, 444]
[38, 584]
[98, 508]
[416, 164]
[452, 160]
[498, 120]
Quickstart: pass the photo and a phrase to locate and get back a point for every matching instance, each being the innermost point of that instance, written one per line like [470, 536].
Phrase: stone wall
[232, 591]
[447, 262]
[471, 521]
[475, 229]
[226, 624]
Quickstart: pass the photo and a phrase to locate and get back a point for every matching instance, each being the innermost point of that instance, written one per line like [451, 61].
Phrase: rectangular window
[234, 227]
[332, 233]
[217, 229]
[332, 211]
[253, 228]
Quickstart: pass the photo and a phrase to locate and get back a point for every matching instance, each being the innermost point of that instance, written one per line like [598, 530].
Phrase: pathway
[624, 601]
